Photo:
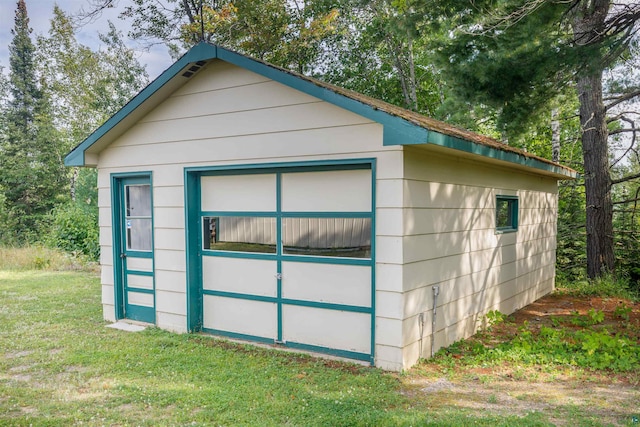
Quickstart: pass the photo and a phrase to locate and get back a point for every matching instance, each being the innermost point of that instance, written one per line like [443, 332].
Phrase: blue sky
[40, 13]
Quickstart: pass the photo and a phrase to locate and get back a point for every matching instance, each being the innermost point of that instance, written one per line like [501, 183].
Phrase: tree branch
[622, 202]
[617, 131]
[96, 7]
[622, 98]
[621, 115]
[633, 130]
[625, 178]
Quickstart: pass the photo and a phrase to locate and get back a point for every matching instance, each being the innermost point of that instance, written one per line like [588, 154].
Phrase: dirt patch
[620, 316]
[17, 354]
[558, 391]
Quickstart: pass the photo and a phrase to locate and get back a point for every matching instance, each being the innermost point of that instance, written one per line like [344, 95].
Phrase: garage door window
[327, 237]
[239, 234]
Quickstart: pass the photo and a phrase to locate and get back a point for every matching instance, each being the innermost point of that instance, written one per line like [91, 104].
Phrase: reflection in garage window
[240, 234]
[335, 237]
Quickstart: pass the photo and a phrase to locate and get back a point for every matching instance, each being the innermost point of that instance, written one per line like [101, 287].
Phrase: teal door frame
[194, 248]
[121, 252]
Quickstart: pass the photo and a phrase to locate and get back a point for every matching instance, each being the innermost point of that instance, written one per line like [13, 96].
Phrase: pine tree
[31, 176]
[518, 55]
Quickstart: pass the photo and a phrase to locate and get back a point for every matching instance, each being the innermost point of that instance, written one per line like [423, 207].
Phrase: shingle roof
[420, 120]
[401, 126]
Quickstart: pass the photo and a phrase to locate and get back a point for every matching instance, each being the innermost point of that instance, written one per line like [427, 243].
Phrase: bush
[74, 229]
[605, 286]
[7, 234]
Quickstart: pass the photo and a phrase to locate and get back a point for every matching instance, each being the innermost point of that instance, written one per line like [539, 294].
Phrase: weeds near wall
[605, 286]
[586, 340]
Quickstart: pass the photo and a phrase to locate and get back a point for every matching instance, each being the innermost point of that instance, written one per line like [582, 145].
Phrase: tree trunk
[412, 74]
[73, 182]
[555, 136]
[600, 257]
[588, 29]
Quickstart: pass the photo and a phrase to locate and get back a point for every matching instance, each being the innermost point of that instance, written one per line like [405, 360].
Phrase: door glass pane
[139, 234]
[240, 234]
[138, 200]
[335, 237]
[138, 217]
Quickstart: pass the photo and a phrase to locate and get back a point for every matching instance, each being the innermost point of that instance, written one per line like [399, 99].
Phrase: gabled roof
[400, 126]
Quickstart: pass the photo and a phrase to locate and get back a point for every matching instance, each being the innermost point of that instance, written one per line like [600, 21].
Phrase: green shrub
[7, 234]
[605, 286]
[586, 348]
[74, 229]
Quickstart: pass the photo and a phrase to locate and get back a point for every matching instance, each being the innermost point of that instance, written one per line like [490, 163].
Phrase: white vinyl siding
[224, 115]
[450, 241]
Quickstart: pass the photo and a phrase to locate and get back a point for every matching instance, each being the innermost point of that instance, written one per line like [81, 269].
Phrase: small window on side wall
[506, 213]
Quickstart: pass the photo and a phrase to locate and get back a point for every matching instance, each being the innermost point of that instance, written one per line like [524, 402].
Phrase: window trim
[513, 204]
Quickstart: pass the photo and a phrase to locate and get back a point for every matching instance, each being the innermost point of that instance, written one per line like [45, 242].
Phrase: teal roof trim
[396, 131]
[448, 141]
[400, 127]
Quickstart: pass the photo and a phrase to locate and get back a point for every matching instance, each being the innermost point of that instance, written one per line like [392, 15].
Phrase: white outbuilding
[246, 201]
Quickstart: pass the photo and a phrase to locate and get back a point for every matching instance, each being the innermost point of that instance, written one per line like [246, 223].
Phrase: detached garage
[246, 201]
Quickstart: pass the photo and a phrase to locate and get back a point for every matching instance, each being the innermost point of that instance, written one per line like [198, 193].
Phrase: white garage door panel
[332, 283]
[239, 275]
[252, 193]
[240, 316]
[137, 298]
[327, 328]
[333, 191]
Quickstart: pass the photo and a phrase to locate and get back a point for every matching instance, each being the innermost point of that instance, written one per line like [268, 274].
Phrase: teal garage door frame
[195, 251]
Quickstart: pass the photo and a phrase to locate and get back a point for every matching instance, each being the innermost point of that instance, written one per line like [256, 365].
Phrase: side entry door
[133, 248]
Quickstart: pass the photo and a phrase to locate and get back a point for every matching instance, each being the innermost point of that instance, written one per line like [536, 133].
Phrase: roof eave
[538, 165]
[396, 130]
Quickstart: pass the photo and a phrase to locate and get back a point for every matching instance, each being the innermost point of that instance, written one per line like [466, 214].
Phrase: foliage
[606, 286]
[585, 348]
[58, 92]
[622, 312]
[593, 317]
[519, 56]
[285, 33]
[74, 229]
[32, 175]
[627, 223]
[6, 227]
[571, 256]
[380, 54]
[495, 317]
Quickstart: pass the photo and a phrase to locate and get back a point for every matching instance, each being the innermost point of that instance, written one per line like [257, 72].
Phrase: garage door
[286, 256]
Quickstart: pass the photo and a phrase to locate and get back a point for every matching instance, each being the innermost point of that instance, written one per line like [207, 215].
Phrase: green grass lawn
[60, 365]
